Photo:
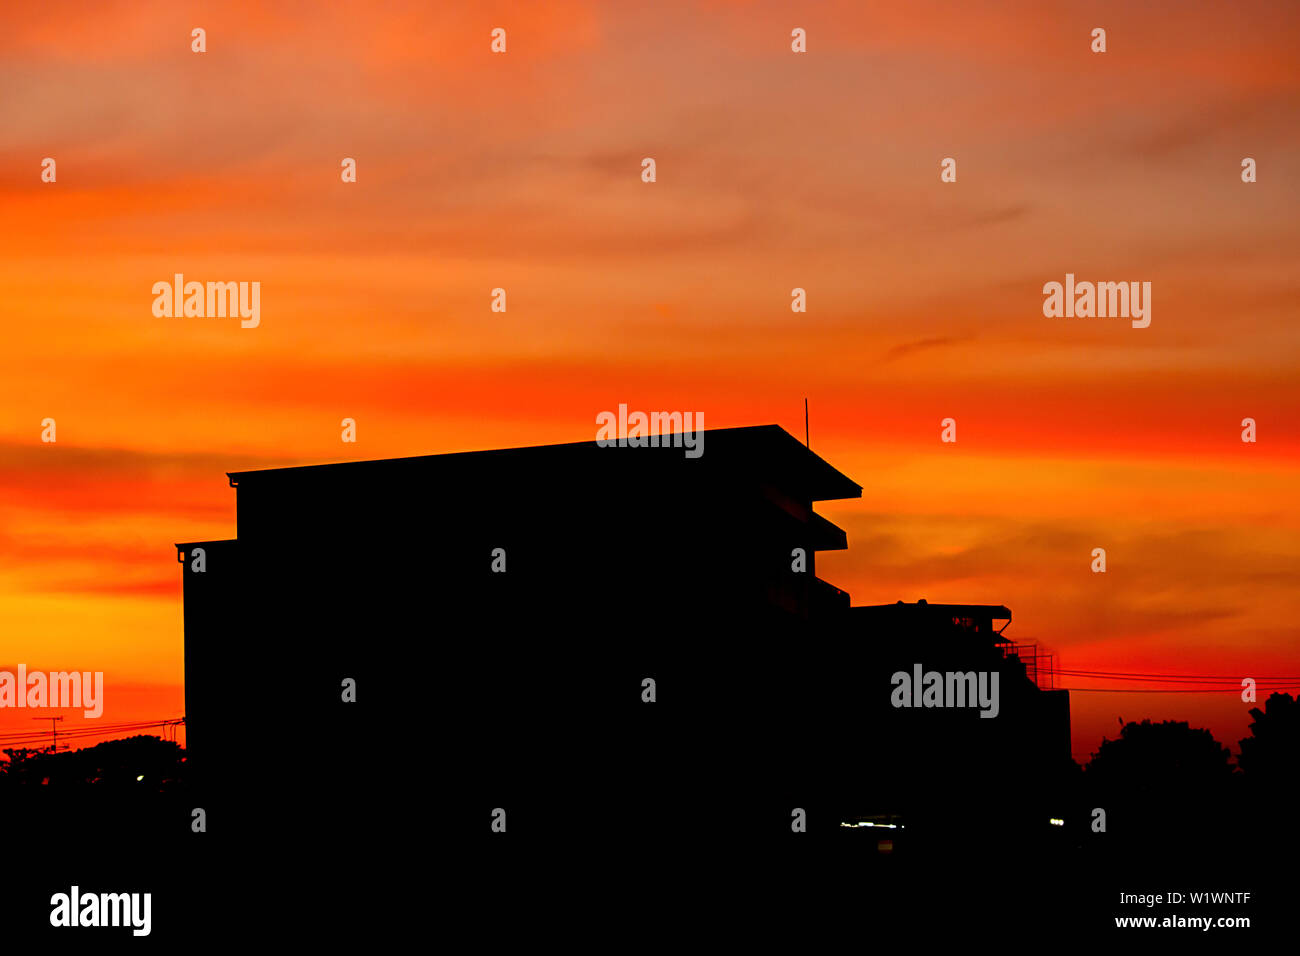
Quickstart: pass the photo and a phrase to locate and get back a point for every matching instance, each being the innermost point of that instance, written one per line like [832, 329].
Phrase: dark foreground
[601, 875]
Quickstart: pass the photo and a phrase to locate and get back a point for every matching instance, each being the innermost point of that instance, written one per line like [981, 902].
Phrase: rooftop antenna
[805, 423]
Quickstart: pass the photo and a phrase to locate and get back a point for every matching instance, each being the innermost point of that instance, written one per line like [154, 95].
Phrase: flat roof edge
[823, 475]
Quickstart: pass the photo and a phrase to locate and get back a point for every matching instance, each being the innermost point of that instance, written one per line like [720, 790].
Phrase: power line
[68, 735]
[117, 723]
[1233, 684]
[1222, 685]
[1175, 678]
[1166, 690]
[128, 727]
[54, 730]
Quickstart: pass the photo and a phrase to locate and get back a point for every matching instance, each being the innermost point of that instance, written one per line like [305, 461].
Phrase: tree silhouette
[1270, 756]
[1170, 754]
[1157, 780]
[138, 761]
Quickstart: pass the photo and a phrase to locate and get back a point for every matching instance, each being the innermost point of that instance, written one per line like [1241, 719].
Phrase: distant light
[141, 777]
[866, 824]
[1056, 822]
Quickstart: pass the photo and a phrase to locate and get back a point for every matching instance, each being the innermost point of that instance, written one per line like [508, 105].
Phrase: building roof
[995, 611]
[766, 452]
[928, 616]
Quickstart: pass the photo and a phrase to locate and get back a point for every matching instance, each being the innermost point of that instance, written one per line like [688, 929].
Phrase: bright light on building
[1056, 822]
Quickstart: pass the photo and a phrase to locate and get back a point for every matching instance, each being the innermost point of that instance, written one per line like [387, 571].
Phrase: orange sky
[775, 170]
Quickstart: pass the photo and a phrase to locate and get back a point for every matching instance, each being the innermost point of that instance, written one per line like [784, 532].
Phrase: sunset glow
[774, 172]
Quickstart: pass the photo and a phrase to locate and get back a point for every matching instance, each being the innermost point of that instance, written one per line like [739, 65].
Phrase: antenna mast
[54, 730]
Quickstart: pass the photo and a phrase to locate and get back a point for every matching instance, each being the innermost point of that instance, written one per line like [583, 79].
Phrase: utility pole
[806, 444]
[54, 730]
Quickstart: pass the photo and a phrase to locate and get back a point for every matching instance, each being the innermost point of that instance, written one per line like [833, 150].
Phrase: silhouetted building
[968, 771]
[501, 612]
